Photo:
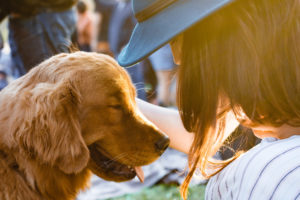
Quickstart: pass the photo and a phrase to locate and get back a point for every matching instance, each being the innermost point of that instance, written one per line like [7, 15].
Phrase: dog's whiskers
[116, 158]
[139, 86]
[138, 83]
[140, 89]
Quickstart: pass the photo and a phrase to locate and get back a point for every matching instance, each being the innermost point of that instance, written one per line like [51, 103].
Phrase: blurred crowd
[39, 29]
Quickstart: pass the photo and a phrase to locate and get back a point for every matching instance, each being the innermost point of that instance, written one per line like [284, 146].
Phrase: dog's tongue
[140, 173]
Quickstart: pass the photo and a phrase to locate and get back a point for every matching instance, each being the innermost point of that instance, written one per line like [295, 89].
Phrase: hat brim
[155, 32]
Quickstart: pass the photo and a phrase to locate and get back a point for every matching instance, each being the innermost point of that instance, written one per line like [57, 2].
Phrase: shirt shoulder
[264, 172]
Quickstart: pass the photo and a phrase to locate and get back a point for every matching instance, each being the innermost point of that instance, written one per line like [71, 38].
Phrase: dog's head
[77, 111]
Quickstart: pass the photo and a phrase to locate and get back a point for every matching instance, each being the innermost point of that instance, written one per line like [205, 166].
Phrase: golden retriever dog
[72, 115]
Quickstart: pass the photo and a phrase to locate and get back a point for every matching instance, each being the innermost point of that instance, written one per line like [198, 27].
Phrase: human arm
[168, 120]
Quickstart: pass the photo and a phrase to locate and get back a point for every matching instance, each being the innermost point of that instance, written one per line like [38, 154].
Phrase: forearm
[169, 122]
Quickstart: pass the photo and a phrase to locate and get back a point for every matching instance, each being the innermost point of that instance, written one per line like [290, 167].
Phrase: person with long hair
[239, 62]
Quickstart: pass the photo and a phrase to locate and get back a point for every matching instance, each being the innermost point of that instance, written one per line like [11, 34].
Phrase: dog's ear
[50, 131]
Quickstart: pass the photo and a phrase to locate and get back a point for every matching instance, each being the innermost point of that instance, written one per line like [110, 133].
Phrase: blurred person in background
[6, 63]
[104, 9]
[117, 24]
[84, 27]
[1, 43]
[164, 66]
[38, 29]
[3, 79]
[3, 76]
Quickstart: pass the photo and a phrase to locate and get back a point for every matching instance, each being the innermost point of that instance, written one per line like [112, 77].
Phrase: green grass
[164, 192]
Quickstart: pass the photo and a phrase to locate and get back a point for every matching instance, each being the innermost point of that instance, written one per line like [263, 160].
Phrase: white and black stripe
[270, 170]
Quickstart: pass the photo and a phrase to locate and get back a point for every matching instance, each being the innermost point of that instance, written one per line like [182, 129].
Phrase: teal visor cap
[161, 20]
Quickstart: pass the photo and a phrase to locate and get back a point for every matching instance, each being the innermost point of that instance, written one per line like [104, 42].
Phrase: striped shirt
[270, 170]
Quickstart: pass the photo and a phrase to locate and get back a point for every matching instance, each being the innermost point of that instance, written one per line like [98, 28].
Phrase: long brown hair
[245, 57]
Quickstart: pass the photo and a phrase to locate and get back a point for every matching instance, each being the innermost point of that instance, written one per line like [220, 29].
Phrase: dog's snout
[162, 144]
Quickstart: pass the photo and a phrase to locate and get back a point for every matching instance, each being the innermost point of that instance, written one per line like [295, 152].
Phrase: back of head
[248, 52]
[81, 7]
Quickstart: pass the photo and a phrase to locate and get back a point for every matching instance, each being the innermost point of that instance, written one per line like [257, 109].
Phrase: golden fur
[64, 119]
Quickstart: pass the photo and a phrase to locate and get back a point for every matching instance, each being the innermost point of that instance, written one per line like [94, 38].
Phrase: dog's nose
[162, 144]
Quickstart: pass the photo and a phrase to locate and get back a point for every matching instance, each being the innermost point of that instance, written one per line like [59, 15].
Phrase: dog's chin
[108, 169]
